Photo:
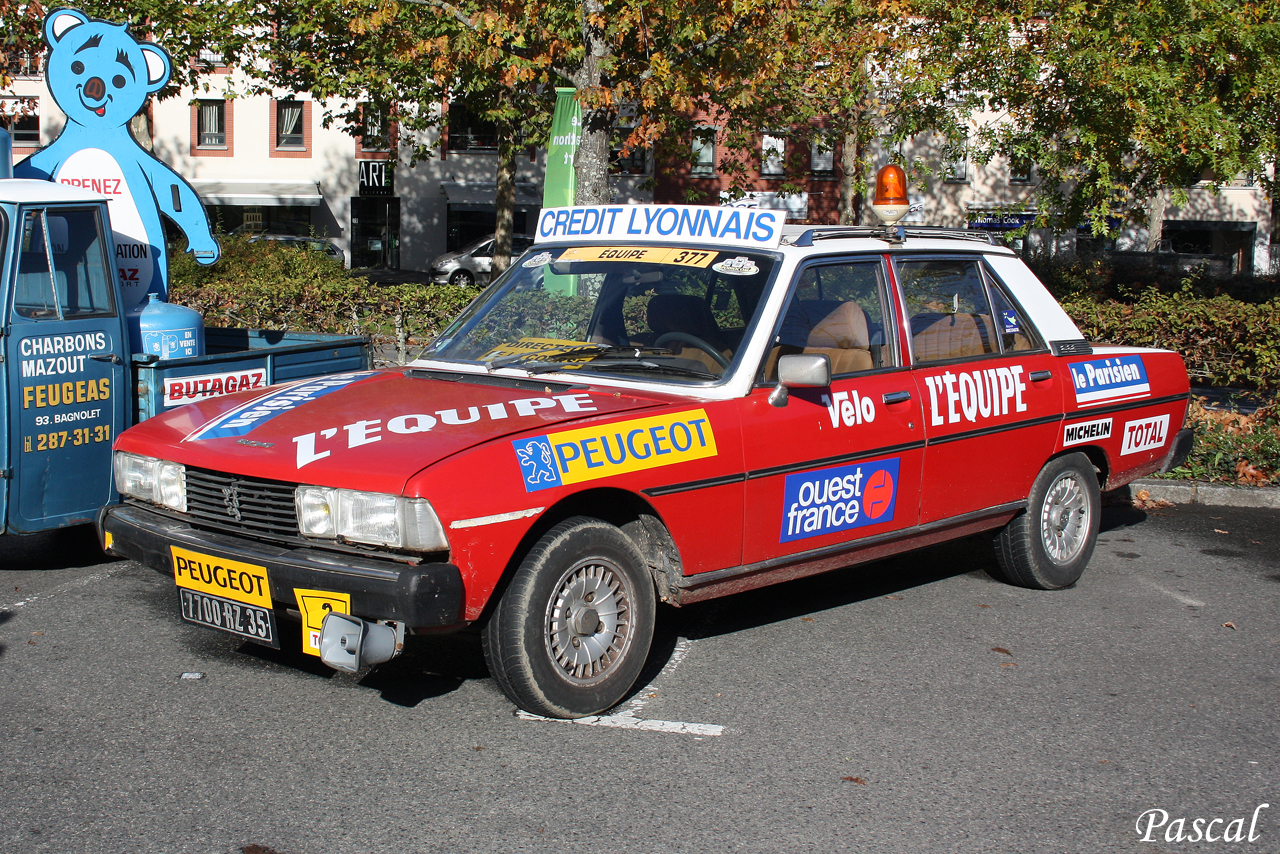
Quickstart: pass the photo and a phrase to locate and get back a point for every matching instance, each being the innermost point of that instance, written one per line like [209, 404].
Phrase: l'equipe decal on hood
[1103, 380]
[590, 453]
[257, 412]
[838, 499]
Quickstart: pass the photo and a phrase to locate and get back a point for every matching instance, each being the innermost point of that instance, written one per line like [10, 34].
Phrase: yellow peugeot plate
[219, 576]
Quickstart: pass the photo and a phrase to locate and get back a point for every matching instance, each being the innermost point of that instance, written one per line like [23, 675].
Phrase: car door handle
[107, 357]
[892, 397]
[1040, 376]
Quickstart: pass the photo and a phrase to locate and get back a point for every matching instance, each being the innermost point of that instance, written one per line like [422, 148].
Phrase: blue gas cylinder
[170, 331]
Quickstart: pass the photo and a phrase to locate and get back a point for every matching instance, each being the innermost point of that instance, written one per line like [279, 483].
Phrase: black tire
[462, 278]
[571, 632]
[1047, 546]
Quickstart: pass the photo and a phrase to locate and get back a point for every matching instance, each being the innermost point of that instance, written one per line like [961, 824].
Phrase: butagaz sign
[377, 178]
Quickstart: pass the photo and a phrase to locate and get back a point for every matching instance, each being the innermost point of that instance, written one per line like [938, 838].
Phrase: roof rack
[894, 234]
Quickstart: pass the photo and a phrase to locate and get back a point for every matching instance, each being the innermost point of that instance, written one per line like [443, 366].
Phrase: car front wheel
[1048, 546]
[462, 278]
[571, 632]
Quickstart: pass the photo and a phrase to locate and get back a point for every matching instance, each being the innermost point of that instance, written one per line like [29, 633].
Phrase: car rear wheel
[1048, 546]
[462, 278]
[571, 632]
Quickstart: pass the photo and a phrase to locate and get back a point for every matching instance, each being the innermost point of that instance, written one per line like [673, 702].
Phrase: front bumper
[429, 595]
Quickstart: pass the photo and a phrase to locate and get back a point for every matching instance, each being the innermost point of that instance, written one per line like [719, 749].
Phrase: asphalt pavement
[910, 705]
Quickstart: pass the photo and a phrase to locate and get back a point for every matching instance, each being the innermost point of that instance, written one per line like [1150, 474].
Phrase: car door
[64, 344]
[986, 381]
[837, 464]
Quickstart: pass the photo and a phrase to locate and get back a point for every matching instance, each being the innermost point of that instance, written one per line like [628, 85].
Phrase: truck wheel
[1049, 544]
[572, 631]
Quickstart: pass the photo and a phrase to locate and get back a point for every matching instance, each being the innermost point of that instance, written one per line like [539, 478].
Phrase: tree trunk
[591, 164]
[506, 197]
[851, 180]
[1155, 221]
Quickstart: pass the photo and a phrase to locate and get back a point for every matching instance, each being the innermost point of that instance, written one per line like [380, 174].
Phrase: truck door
[66, 373]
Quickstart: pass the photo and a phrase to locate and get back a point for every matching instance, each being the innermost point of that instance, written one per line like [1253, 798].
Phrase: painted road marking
[1185, 600]
[630, 717]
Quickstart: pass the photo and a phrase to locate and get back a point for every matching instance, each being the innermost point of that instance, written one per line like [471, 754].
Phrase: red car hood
[367, 430]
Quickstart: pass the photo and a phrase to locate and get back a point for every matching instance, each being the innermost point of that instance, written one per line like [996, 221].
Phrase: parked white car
[472, 264]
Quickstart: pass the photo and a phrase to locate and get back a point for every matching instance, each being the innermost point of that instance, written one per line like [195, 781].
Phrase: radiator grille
[262, 508]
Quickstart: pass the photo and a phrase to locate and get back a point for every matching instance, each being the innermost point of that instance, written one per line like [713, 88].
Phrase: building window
[24, 129]
[773, 155]
[290, 128]
[289, 124]
[956, 171]
[377, 137]
[211, 128]
[212, 124]
[635, 162]
[704, 151]
[469, 131]
[1020, 170]
[822, 156]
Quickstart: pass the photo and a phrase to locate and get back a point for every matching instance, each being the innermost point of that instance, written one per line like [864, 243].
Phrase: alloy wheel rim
[1064, 519]
[588, 623]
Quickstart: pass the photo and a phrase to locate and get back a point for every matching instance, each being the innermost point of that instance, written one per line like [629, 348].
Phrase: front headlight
[158, 481]
[369, 517]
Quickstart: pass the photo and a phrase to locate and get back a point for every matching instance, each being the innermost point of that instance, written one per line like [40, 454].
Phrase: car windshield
[667, 313]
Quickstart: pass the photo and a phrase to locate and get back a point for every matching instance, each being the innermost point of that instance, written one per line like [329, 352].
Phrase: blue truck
[71, 379]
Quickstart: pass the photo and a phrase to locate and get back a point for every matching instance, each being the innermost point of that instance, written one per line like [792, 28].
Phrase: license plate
[225, 594]
[247, 621]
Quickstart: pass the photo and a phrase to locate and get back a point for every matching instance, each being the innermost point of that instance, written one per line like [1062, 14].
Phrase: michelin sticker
[838, 499]
[1103, 380]
[591, 453]
[257, 412]
[1086, 431]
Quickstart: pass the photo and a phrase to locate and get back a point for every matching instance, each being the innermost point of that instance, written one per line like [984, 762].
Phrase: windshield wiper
[564, 357]
[657, 367]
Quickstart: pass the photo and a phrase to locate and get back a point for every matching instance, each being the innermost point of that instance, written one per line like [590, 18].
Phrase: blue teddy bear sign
[100, 76]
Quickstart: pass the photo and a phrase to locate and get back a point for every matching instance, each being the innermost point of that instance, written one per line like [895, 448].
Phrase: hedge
[268, 285]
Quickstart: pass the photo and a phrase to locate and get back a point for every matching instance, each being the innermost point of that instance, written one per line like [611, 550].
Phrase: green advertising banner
[560, 183]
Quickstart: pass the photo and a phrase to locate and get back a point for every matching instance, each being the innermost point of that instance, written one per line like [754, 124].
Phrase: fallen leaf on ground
[806, 619]
[1001, 650]
[1231, 626]
[893, 597]
[984, 606]
[1220, 531]
[1010, 664]
[858, 780]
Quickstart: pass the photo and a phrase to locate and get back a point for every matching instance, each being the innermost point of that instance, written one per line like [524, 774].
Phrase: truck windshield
[671, 313]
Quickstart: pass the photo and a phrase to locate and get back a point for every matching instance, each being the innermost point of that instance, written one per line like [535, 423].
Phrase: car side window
[948, 309]
[837, 310]
[1015, 332]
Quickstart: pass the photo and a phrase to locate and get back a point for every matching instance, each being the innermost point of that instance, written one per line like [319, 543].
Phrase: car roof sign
[726, 226]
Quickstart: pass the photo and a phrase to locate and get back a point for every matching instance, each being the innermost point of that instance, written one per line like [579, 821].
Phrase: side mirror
[800, 370]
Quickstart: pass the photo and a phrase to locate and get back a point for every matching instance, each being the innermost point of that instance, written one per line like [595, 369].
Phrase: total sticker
[1145, 434]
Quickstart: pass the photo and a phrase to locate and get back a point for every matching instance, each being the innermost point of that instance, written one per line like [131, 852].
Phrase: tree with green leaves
[1114, 102]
